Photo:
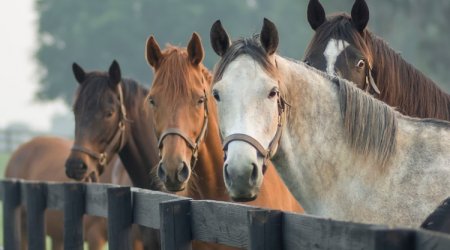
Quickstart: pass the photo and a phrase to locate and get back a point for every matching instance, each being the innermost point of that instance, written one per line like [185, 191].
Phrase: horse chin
[93, 177]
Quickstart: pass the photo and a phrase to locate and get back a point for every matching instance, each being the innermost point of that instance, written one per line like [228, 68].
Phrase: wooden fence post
[175, 227]
[395, 239]
[11, 214]
[119, 218]
[265, 229]
[36, 197]
[74, 199]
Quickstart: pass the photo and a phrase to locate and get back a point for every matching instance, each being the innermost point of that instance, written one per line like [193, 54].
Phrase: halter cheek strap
[117, 142]
[194, 146]
[268, 153]
[370, 82]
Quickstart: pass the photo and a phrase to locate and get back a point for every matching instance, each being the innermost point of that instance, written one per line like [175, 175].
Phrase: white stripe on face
[332, 51]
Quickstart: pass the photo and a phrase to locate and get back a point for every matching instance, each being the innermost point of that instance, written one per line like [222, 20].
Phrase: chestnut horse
[343, 46]
[111, 118]
[185, 119]
[42, 159]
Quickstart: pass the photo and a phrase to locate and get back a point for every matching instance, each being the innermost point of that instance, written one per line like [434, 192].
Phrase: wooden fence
[181, 220]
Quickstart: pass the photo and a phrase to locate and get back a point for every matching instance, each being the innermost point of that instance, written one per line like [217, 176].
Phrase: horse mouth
[175, 189]
[244, 199]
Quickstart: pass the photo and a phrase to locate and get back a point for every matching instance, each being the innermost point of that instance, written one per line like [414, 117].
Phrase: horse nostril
[162, 173]
[183, 173]
[83, 166]
[254, 176]
[227, 175]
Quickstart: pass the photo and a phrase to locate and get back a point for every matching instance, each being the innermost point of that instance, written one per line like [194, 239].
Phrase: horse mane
[91, 94]
[371, 125]
[244, 46]
[406, 88]
[172, 83]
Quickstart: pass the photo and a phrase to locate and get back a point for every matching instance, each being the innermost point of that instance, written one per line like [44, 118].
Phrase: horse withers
[342, 153]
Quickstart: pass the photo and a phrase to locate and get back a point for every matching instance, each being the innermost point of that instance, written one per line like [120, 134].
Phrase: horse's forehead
[334, 48]
[245, 73]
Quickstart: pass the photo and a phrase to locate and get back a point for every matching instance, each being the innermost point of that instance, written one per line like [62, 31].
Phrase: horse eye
[273, 93]
[216, 95]
[109, 114]
[152, 102]
[201, 100]
[361, 63]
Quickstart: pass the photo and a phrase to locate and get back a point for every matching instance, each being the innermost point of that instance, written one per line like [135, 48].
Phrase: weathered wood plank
[146, 206]
[11, 213]
[308, 232]
[394, 239]
[220, 222]
[265, 229]
[428, 240]
[175, 224]
[119, 218]
[73, 215]
[55, 196]
[36, 198]
[97, 199]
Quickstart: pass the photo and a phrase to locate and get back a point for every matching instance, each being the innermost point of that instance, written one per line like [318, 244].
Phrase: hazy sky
[18, 68]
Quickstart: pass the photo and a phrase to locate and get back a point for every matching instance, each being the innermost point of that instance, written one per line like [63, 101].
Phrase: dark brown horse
[185, 120]
[111, 118]
[342, 45]
[42, 159]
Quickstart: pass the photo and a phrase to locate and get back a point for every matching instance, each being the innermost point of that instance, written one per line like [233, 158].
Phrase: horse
[342, 153]
[111, 118]
[42, 159]
[185, 120]
[343, 46]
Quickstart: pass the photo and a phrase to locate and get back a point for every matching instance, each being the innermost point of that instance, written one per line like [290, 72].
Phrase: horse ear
[269, 36]
[360, 15]
[195, 49]
[220, 41]
[316, 14]
[79, 73]
[153, 53]
[114, 73]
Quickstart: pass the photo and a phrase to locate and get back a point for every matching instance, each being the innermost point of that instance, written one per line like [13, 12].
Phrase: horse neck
[313, 144]
[139, 154]
[207, 180]
[404, 86]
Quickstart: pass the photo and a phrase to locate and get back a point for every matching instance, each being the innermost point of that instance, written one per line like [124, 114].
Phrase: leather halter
[370, 82]
[194, 146]
[117, 141]
[268, 153]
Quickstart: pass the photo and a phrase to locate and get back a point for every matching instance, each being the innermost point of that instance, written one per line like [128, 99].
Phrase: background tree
[93, 33]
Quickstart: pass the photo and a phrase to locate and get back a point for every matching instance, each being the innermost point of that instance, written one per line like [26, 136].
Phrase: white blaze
[332, 51]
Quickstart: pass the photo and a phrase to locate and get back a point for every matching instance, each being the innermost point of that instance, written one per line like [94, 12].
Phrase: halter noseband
[194, 146]
[118, 139]
[268, 153]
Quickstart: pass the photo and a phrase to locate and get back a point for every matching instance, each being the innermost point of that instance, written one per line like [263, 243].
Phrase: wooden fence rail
[181, 220]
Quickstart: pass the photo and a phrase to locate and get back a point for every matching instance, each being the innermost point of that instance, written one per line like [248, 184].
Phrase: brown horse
[111, 118]
[42, 159]
[343, 46]
[186, 122]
